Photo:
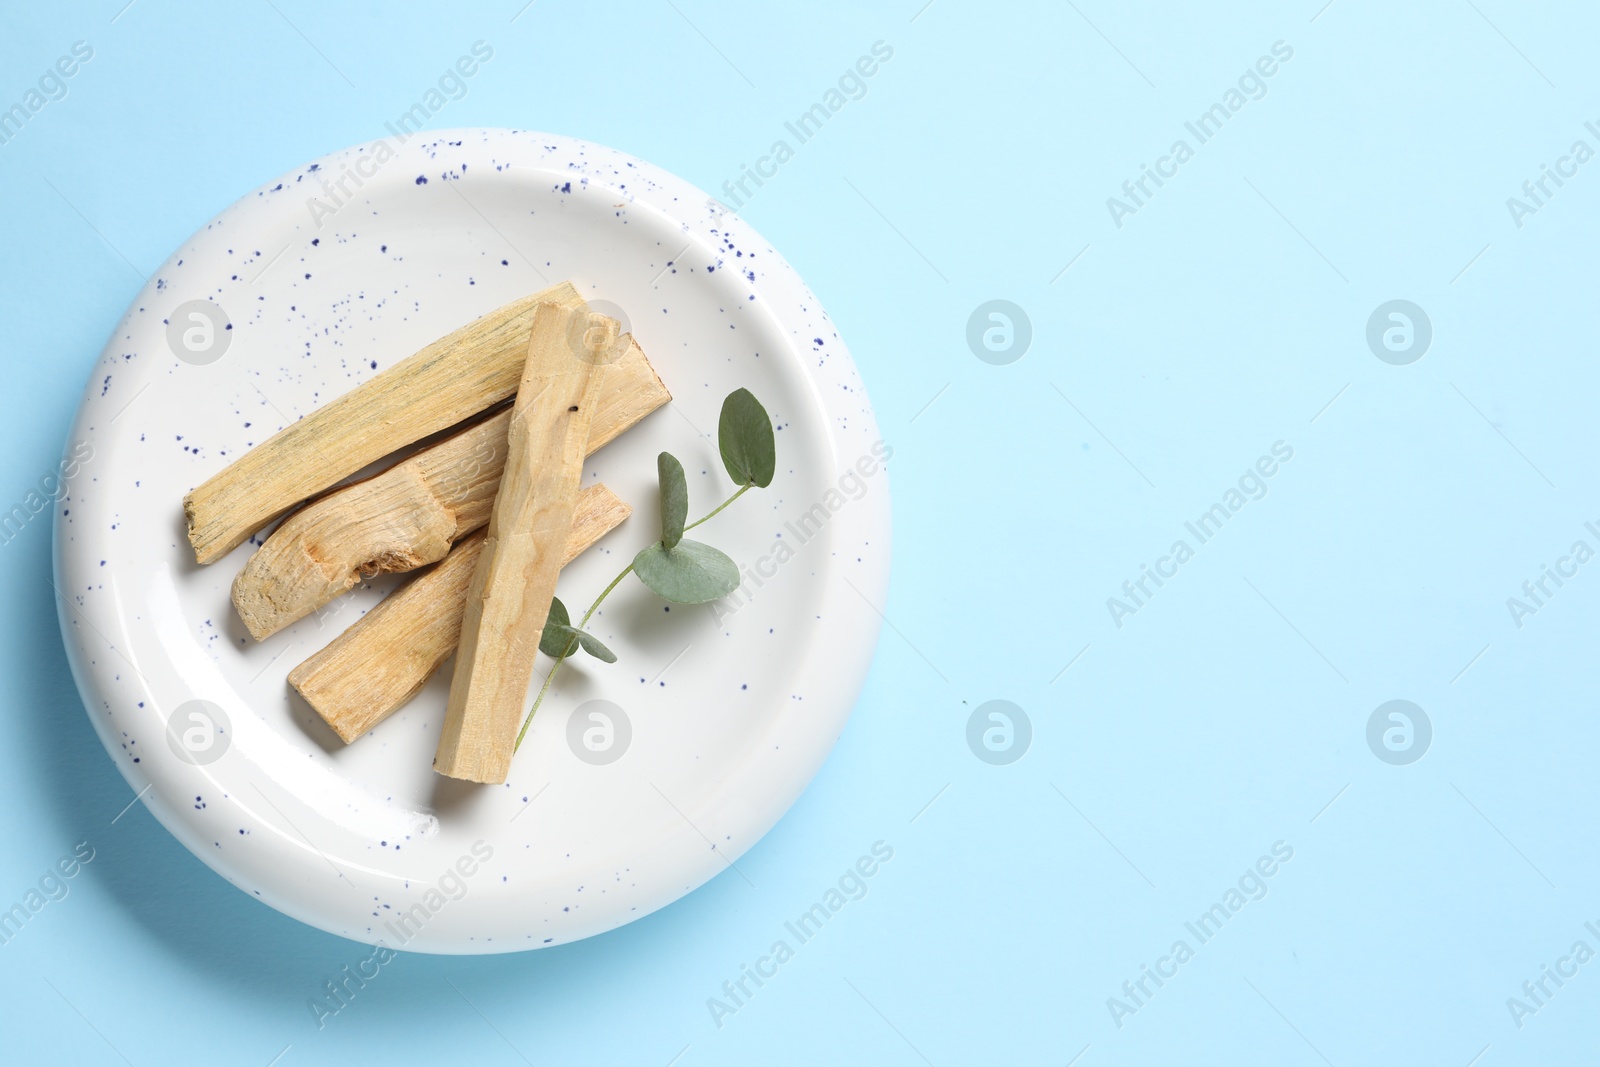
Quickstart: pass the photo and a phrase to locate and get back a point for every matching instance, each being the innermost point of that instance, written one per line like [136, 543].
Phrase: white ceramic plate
[327, 276]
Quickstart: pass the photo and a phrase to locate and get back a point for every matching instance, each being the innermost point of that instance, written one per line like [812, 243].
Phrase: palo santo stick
[515, 577]
[377, 665]
[451, 379]
[408, 516]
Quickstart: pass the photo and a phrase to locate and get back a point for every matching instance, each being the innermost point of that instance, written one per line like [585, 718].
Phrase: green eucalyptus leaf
[592, 645]
[557, 638]
[691, 573]
[674, 498]
[744, 436]
[558, 641]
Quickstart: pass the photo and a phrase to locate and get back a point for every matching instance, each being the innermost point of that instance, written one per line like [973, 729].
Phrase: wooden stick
[515, 578]
[376, 666]
[408, 516]
[452, 379]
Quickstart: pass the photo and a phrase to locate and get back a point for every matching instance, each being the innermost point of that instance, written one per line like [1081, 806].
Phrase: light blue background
[1225, 716]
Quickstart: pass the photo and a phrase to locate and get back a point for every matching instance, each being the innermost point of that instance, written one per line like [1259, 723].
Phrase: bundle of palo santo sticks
[493, 511]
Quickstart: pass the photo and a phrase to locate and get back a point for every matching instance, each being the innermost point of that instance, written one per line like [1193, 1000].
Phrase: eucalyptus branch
[684, 572]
